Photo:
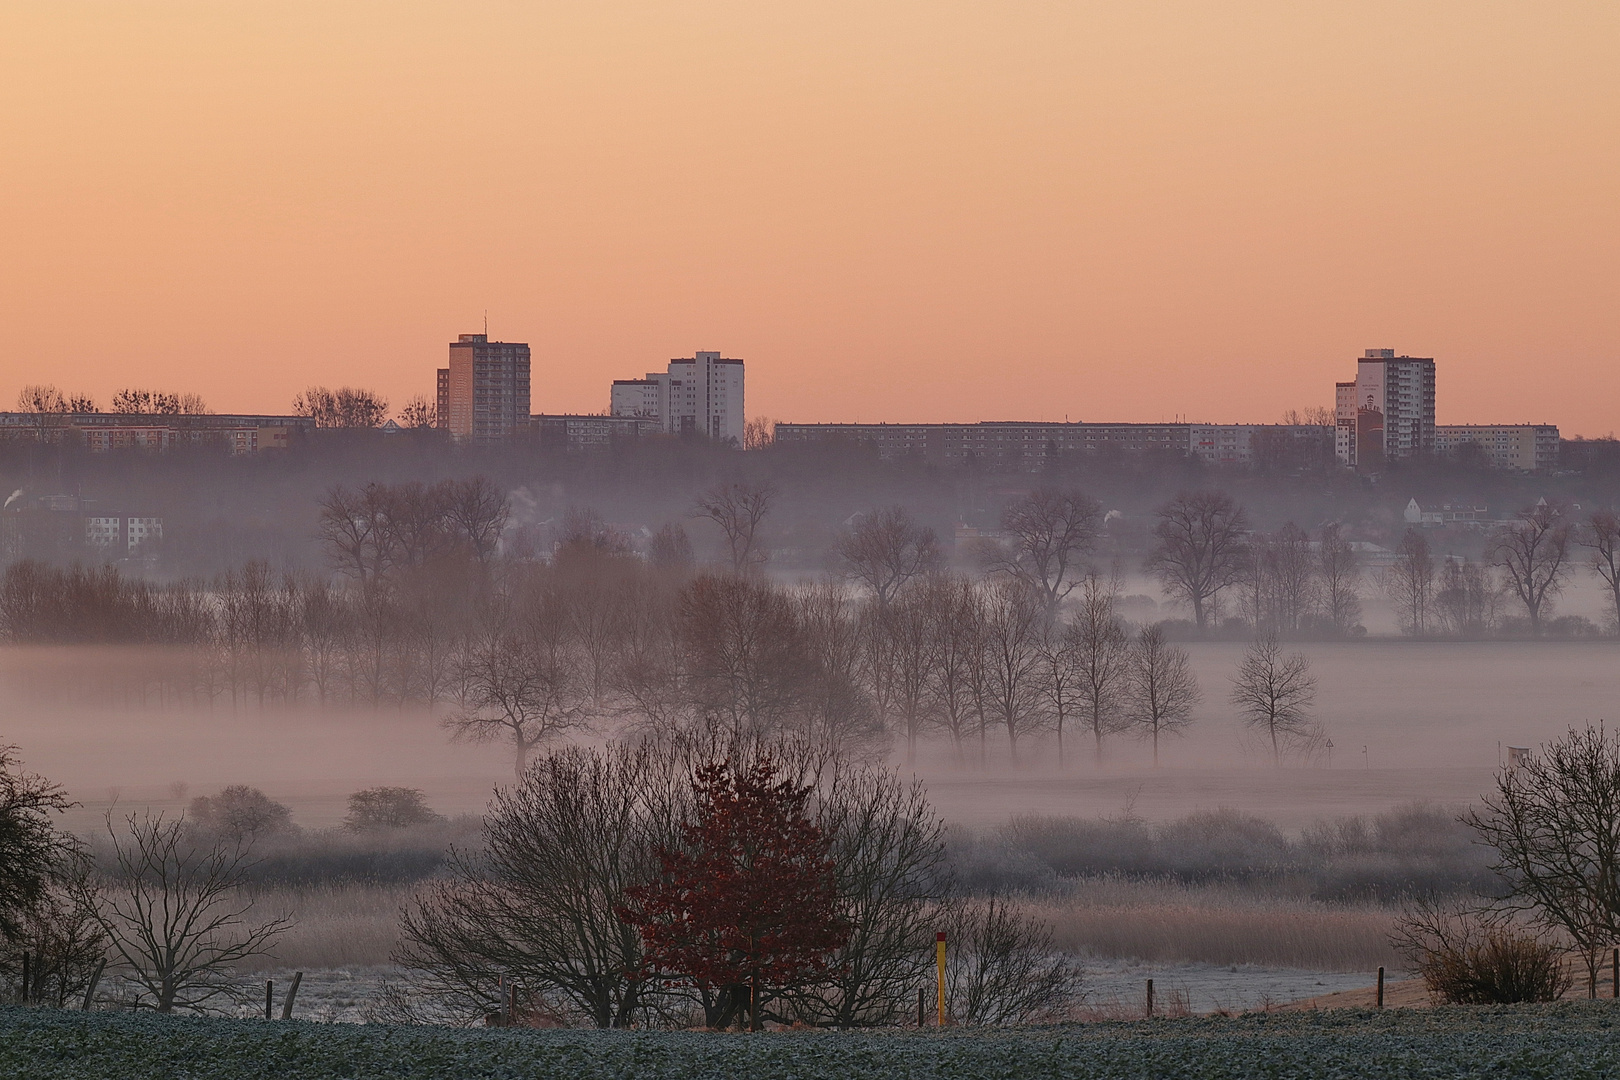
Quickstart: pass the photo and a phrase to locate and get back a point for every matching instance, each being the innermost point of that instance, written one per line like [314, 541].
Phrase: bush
[1470, 959]
[1410, 850]
[388, 808]
[240, 813]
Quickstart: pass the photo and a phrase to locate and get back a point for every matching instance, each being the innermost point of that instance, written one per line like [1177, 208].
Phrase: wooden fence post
[1150, 997]
[292, 992]
[27, 977]
[90, 991]
[919, 1006]
[1380, 987]
[269, 991]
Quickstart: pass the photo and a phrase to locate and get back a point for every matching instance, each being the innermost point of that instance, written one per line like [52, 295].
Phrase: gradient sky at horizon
[952, 210]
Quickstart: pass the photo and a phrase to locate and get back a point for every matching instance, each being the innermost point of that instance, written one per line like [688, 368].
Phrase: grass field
[1568, 1041]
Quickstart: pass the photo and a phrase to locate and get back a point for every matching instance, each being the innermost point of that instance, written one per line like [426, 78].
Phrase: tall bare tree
[1409, 582]
[1466, 599]
[1555, 824]
[1274, 693]
[477, 511]
[176, 915]
[887, 548]
[909, 656]
[522, 688]
[1602, 535]
[837, 712]
[1339, 571]
[1049, 531]
[739, 508]
[1099, 648]
[1533, 554]
[537, 906]
[746, 661]
[1015, 621]
[1163, 689]
[1200, 549]
[955, 611]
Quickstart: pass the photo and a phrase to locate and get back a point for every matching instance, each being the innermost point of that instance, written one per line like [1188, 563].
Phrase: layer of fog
[1408, 720]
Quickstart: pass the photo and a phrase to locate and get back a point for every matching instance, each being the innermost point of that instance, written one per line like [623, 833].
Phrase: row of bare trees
[1528, 563]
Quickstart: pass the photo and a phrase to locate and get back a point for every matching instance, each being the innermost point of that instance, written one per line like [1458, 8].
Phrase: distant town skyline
[907, 211]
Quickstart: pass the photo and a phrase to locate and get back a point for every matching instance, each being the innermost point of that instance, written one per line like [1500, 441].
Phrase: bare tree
[419, 413]
[477, 512]
[538, 905]
[746, 661]
[1281, 581]
[158, 402]
[1014, 625]
[738, 509]
[759, 433]
[1555, 824]
[1050, 531]
[1409, 581]
[1602, 535]
[1274, 693]
[1004, 969]
[1533, 554]
[888, 848]
[175, 913]
[1100, 651]
[886, 549]
[909, 658]
[1466, 599]
[837, 711]
[42, 400]
[1339, 571]
[956, 619]
[1200, 549]
[670, 548]
[1163, 688]
[522, 689]
[356, 530]
[345, 407]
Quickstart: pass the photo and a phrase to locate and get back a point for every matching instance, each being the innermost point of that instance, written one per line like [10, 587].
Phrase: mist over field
[1409, 720]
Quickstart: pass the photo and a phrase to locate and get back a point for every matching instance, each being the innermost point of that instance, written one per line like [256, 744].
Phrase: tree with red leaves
[747, 905]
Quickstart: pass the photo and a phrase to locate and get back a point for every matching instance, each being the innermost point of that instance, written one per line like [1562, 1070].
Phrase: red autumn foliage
[750, 898]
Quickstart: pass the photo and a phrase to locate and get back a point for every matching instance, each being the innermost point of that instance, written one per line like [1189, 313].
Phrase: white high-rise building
[1387, 413]
[701, 394]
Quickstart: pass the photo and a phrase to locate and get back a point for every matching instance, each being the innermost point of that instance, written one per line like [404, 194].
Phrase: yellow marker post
[939, 957]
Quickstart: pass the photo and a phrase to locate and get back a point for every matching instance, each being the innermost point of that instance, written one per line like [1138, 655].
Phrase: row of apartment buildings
[101, 432]
[1034, 443]
[1387, 414]
[484, 396]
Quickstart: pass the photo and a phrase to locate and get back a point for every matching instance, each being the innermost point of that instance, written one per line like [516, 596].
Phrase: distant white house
[1444, 514]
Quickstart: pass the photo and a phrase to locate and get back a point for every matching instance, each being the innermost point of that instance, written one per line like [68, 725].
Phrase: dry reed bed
[348, 925]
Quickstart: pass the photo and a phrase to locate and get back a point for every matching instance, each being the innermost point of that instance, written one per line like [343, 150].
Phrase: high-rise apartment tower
[484, 393]
[1387, 413]
[701, 394]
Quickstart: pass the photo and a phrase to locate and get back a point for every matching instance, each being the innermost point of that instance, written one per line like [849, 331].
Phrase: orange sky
[893, 209]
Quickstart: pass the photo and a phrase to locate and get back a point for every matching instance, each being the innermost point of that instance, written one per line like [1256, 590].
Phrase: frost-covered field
[1568, 1042]
[1114, 988]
